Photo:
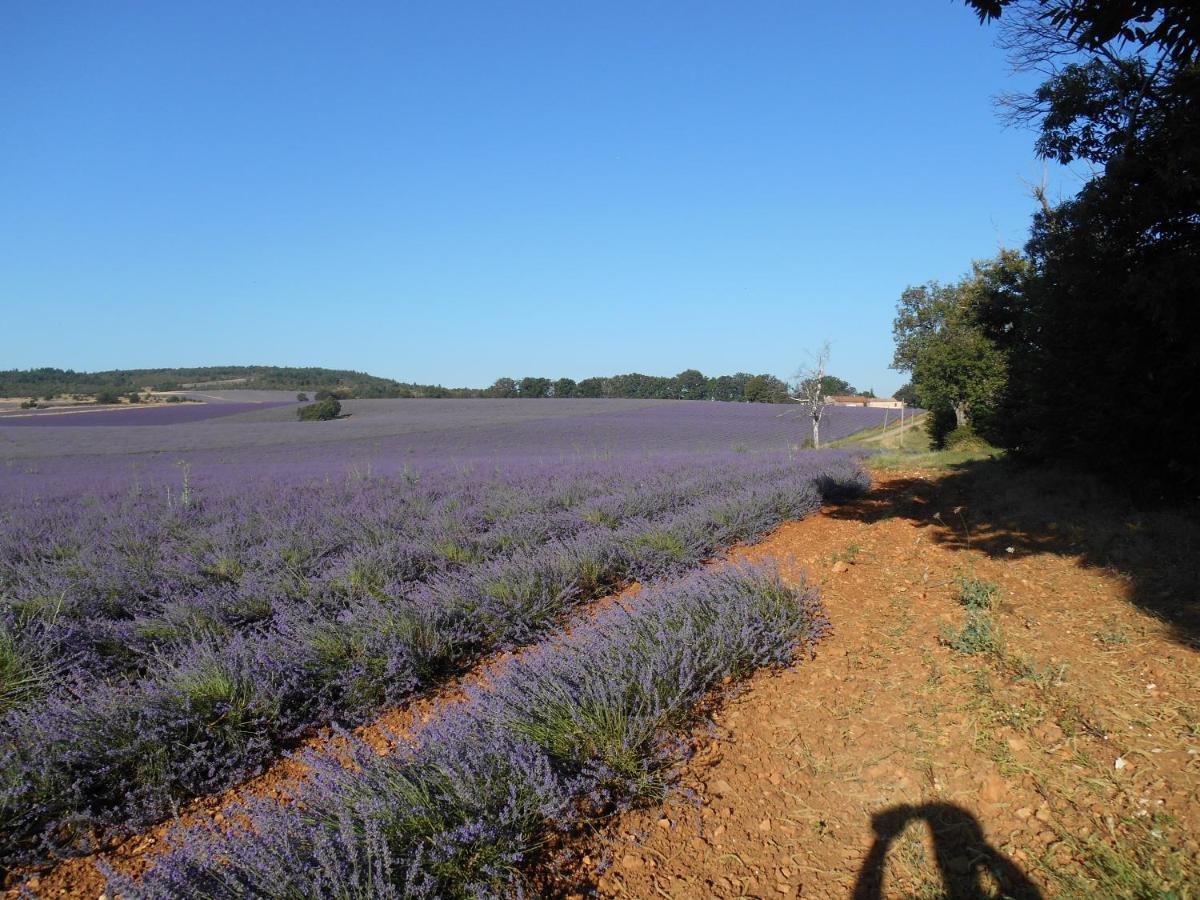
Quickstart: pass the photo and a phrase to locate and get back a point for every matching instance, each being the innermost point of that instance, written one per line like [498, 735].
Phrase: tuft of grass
[976, 594]
[848, 555]
[218, 697]
[662, 541]
[937, 460]
[20, 676]
[979, 634]
[1138, 864]
[458, 553]
[224, 569]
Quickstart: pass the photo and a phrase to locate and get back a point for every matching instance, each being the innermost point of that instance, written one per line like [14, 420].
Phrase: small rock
[1024, 813]
[839, 567]
[664, 824]
[631, 863]
[720, 787]
[993, 789]
[1043, 814]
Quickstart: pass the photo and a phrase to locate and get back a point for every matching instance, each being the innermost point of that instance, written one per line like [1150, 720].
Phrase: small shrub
[174, 398]
[134, 397]
[1113, 636]
[964, 438]
[978, 635]
[975, 594]
[107, 397]
[302, 397]
[320, 411]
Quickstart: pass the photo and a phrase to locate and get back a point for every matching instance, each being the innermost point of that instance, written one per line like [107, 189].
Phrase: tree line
[690, 384]
[1084, 347]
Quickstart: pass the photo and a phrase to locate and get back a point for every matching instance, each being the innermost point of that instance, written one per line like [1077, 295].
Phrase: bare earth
[1064, 763]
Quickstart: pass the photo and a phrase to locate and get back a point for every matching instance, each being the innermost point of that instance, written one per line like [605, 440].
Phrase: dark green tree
[907, 394]
[1103, 341]
[765, 389]
[591, 387]
[564, 387]
[320, 410]
[534, 387]
[943, 339]
[502, 388]
[833, 386]
[691, 385]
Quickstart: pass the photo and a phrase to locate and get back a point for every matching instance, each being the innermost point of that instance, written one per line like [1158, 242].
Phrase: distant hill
[53, 382]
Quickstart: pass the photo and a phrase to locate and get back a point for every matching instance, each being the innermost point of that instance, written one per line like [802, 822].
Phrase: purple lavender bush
[167, 632]
[215, 705]
[570, 731]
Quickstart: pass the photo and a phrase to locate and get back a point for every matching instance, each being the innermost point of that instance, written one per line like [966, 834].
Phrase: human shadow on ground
[964, 857]
[1007, 511]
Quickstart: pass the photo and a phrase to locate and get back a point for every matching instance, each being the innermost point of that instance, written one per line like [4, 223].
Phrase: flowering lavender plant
[567, 732]
[154, 649]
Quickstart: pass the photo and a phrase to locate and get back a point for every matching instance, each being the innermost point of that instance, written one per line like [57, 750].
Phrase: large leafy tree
[837, 387]
[765, 389]
[531, 387]
[952, 339]
[691, 385]
[1104, 340]
[503, 388]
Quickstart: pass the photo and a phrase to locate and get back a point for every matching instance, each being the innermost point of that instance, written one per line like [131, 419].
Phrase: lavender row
[566, 734]
[117, 756]
[114, 586]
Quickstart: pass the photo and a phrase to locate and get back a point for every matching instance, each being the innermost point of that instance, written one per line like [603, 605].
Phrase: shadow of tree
[1006, 510]
[964, 857]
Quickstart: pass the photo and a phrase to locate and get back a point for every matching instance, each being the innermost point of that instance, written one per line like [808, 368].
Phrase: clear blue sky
[450, 192]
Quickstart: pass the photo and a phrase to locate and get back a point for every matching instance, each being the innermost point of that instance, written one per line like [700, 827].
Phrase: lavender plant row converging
[168, 627]
[568, 732]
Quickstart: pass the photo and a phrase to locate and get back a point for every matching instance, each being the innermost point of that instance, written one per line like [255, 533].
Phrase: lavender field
[389, 437]
[180, 603]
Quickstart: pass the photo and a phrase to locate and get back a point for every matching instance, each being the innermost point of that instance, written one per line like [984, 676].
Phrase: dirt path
[894, 433]
[1064, 762]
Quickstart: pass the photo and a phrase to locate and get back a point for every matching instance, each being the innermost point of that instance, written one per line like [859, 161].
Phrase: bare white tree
[808, 388]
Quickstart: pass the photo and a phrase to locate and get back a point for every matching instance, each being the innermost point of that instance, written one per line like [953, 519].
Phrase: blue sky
[451, 192]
